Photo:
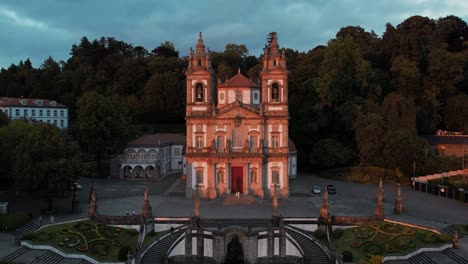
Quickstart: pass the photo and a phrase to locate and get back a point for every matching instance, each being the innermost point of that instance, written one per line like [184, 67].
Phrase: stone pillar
[146, 211]
[379, 209]
[274, 202]
[324, 209]
[200, 243]
[285, 185]
[196, 203]
[399, 209]
[188, 242]
[251, 252]
[218, 248]
[211, 190]
[270, 242]
[92, 209]
[455, 239]
[282, 240]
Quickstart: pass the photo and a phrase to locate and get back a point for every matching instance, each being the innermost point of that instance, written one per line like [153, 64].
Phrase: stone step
[20, 251]
[455, 256]
[421, 258]
[28, 227]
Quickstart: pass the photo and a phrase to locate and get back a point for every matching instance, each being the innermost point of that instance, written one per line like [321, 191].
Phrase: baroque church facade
[237, 133]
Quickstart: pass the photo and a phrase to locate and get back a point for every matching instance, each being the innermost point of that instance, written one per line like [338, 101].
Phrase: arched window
[199, 96]
[199, 62]
[275, 92]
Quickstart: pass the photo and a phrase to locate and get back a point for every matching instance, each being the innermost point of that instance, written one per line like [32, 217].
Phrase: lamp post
[75, 199]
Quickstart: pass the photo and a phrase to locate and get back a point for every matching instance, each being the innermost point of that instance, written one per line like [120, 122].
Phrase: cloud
[39, 29]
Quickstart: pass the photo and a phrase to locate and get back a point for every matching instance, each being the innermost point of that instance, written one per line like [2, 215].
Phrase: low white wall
[416, 252]
[65, 255]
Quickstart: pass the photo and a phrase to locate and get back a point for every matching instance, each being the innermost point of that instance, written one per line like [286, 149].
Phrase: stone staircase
[28, 227]
[156, 253]
[20, 251]
[243, 199]
[313, 253]
[455, 256]
[48, 257]
[421, 258]
[451, 230]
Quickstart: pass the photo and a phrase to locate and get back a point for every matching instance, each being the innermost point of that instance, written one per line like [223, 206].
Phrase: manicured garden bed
[96, 240]
[384, 238]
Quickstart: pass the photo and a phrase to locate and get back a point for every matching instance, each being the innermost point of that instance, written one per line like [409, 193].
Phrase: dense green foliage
[360, 100]
[10, 222]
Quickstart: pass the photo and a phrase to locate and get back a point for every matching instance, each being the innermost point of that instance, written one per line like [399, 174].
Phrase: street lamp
[76, 187]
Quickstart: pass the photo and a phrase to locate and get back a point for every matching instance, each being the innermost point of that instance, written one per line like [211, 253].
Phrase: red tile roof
[29, 102]
[239, 80]
[155, 140]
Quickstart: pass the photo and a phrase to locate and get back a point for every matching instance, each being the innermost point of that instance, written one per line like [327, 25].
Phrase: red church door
[236, 179]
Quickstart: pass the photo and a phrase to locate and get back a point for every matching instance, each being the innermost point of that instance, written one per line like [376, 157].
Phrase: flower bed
[382, 238]
[96, 240]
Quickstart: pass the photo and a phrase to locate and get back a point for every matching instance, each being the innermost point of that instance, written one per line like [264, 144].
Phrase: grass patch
[383, 238]
[96, 240]
[13, 221]
[361, 174]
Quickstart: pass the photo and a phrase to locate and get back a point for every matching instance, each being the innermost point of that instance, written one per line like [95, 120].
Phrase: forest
[359, 100]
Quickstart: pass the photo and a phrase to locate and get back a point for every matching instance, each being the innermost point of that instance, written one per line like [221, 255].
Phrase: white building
[150, 156]
[39, 110]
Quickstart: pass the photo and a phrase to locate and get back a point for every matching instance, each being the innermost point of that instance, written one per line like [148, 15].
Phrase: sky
[37, 29]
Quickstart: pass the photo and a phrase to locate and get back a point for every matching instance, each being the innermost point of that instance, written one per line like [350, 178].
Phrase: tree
[402, 148]
[102, 126]
[166, 49]
[329, 153]
[343, 72]
[3, 119]
[456, 113]
[405, 77]
[11, 136]
[369, 134]
[46, 163]
[399, 112]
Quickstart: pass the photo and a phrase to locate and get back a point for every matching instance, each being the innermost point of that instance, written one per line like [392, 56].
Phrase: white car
[316, 189]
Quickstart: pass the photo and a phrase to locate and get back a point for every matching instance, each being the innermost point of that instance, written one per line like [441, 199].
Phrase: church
[237, 131]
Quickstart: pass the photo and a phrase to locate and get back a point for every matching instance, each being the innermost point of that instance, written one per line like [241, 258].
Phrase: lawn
[384, 238]
[360, 174]
[96, 240]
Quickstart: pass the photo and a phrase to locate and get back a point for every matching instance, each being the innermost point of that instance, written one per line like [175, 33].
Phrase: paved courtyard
[166, 198]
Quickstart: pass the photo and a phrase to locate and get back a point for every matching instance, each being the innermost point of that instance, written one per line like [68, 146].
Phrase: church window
[275, 176]
[275, 92]
[220, 142]
[239, 96]
[274, 63]
[199, 62]
[274, 141]
[236, 138]
[199, 175]
[199, 96]
[199, 141]
[253, 142]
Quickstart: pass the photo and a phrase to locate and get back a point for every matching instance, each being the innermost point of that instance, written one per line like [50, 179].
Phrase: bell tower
[274, 77]
[200, 81]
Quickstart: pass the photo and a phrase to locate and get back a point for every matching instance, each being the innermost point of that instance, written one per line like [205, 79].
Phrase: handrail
[318, 243]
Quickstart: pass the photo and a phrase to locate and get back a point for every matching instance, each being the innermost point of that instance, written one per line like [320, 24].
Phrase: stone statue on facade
[220, 176]
[221, 187]
[254, 177]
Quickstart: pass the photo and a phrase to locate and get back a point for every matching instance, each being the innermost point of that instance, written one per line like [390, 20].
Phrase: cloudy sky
[37, 29]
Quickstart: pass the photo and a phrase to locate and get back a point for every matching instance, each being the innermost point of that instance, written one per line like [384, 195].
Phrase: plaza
[168, 201]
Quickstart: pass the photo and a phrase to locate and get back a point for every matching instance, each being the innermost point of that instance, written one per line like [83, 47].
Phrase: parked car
[331, 189]
[316, 189]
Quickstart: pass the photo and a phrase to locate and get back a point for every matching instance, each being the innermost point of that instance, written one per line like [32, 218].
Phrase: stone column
[270, 242]
[455, 239]
[399, 209]
[196, 203]
[92, 209]
[188, 242]
[146, 211]
[275, 202]
[218, 247]
[379, 209]
[282, 241]
[200, 243]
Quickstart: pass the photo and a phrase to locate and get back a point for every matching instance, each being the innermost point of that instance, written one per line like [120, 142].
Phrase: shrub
[338, 233]
[430, 237]
[13, 221]
[445, 237]
[347, 256]
[375, 259]
[29, 236]
[320, 234]
[123, 251]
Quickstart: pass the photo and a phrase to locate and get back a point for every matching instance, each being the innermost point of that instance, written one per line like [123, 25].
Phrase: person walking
[52, 219]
